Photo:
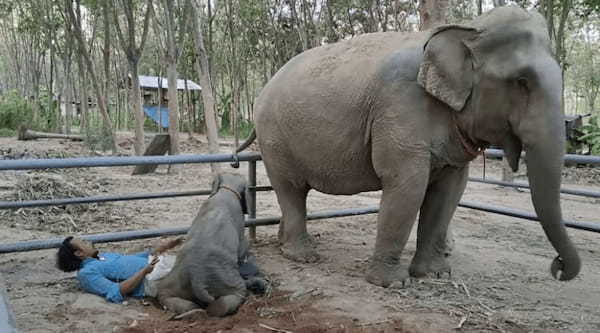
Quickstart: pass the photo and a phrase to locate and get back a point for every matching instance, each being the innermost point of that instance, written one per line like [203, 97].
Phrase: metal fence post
[251, 200]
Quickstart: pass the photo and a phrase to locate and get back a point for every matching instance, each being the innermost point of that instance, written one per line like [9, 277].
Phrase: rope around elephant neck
[239, 196]
[468, 146]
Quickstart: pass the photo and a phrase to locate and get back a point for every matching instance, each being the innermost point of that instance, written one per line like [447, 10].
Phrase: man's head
[72, 252]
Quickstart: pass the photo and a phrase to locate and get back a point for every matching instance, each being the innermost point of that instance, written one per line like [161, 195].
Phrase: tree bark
[433, 13]
[133, 53]
[101, 100]
[206, 83]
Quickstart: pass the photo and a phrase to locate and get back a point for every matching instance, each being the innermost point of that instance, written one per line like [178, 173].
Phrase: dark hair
[66, 260]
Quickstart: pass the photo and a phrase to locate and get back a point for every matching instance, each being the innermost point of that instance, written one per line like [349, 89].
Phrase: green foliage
[244, 129]
[98, 138]
[7, 132]
[48, 109]
[14, 111]
[591, 135]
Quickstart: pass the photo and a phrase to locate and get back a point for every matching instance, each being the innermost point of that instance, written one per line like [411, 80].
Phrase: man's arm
[94, 282]
[165, 245]
[126, 287]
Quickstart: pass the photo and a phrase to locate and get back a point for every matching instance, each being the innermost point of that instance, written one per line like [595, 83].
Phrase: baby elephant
[213, 269]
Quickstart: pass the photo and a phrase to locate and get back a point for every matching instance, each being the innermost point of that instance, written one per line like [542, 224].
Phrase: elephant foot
[387, 273]
[301, 250]
[449, 245]
[436, 267]
[224, 305]
[178, 305]
[257, 285]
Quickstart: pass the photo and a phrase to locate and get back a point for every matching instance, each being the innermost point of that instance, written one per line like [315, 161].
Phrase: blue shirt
[102, 276]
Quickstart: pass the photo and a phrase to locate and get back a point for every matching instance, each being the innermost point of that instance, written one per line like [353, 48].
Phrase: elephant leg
[178, 305]
[225, 305]
[297, 244]
[257, 285]
[403, 194]
[437, 210]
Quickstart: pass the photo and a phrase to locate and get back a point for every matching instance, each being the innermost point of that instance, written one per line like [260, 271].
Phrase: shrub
[7, 132]
[14, 111]
[591, 135]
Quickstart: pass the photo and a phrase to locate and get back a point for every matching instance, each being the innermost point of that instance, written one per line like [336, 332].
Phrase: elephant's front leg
[437, 210]
[402, 196]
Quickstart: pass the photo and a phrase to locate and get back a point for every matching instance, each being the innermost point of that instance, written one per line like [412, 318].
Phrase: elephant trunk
[544, 141]
[544, 172]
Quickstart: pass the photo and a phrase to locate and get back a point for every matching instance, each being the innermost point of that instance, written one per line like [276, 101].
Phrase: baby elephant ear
[243, 202]
[216, 183]
[447, 68]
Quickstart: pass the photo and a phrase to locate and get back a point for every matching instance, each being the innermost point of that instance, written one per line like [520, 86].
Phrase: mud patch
[279, 312]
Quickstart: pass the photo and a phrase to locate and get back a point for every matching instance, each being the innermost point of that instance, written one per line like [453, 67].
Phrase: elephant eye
[523, 83]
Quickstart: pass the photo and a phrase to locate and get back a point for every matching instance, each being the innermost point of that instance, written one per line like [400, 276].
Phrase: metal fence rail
[91, 162]
[152, 233]
[252, 222]
[583, 193]
[109, 198]
[569, 158]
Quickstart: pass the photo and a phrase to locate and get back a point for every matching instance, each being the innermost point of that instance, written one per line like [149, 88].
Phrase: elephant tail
[225, 305]
[248, 141]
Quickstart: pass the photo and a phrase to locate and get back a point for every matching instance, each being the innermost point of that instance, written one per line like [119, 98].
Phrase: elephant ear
[216, 183]
[447, 68]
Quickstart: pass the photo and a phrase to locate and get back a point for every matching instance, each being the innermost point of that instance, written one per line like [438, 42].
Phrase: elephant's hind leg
[178, 305]
[225, 305]
[297, 244]
[437, 210]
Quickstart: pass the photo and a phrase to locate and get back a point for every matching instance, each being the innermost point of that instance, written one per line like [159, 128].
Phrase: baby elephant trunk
[224, 305]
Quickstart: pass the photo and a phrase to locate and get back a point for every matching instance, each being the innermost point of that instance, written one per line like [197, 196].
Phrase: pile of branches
[66, 219]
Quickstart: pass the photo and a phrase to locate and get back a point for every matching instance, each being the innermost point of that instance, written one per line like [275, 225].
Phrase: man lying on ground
[113, 275]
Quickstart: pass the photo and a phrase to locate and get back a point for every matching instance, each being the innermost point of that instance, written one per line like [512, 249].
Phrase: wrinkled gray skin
[206, 271]
[377, 112]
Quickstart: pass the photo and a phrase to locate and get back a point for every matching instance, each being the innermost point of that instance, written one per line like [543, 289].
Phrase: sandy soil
[500, 280]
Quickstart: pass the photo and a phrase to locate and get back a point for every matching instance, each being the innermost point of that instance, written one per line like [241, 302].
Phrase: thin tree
[74, 20]
[175, 34]
[204, 75]
[432, 13]
[133, 52]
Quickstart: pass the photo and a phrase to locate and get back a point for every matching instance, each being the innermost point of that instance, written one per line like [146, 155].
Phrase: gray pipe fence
[251, 222]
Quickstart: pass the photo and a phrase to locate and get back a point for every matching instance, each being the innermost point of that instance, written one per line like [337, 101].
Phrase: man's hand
[167, 244]
[150, 267]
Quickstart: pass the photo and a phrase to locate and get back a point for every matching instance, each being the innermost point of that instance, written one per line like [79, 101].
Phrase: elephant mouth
[513, 147]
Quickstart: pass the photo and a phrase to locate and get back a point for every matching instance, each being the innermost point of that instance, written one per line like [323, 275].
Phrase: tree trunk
[206, 83]
[433, 13]
[133, 53]
[101, 100]
[171, 57]
[138, 112]
[68, 97]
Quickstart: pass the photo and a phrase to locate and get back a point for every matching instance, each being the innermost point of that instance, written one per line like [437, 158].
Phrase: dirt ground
[500, 279]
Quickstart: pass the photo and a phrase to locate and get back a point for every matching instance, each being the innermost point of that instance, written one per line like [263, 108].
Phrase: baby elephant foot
[224, 305]
[178, 305]
[301, 250]
[437, 267]
[387, 272]
[257, 285]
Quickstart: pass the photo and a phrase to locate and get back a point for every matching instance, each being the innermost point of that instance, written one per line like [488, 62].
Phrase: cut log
[25, 134]
[158, 147]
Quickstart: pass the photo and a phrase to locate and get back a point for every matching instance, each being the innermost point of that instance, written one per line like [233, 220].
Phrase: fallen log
[159, 146]
[25, 134]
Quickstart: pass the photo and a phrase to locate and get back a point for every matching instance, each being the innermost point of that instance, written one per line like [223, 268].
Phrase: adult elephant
[406, 113]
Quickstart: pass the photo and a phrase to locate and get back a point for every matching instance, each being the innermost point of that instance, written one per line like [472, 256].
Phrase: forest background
[54, 54]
